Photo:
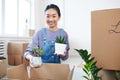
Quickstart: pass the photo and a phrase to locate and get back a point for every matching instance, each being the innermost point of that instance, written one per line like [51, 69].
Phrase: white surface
[60, 48]
[76, 61]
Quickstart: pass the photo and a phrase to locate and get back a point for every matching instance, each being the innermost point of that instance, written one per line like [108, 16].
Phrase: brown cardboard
[105, 43]
[11, 59]
[108, 74]
[15, 52]
[3, 66]
[18, 59]
[18, 72]
[45, 72]
[50, 72]
[17, 47]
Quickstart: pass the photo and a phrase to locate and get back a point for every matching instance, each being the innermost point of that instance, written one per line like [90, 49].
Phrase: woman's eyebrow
[50, 14]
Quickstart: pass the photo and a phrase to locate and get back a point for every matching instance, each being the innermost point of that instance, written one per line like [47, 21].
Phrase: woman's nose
[50, 18]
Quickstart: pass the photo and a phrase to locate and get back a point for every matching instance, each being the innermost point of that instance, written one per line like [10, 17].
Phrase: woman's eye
[48, 16]
[54, 16]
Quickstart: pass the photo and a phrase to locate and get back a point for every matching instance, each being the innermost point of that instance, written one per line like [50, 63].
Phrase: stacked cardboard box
[15, 52]
[105, 43]
[3, 66]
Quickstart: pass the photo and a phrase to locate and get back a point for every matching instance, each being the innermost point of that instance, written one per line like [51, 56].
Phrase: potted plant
[60, 45]
[38, 52]
[90, 67]
[117, 75]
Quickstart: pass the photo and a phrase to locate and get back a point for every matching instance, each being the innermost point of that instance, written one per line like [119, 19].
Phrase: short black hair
[53, 6]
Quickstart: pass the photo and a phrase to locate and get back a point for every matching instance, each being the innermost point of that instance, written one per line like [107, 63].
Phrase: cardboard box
[15, 59]
[105, 34]
[15, 52]
[31, 32]
[45, 72]
[18, 72]
[3, 66]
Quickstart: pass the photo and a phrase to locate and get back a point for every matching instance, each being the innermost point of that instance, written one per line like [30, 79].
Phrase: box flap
[50, 71]
[18, 72]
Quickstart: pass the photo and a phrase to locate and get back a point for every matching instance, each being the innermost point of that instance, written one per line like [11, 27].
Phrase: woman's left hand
[63, 54]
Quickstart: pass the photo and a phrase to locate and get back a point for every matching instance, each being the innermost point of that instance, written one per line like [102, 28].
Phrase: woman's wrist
[28, 57]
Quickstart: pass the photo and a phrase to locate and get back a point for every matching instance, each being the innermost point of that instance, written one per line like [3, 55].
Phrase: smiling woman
[45, 38]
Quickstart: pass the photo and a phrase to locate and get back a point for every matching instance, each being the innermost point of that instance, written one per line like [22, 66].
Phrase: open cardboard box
[45, 72]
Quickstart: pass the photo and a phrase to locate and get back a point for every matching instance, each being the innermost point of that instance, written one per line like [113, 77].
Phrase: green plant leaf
[90, 67]
[60, 39]
[86, 71]
[86, 77]
[41, 51]
[37, 51]
[91, 59]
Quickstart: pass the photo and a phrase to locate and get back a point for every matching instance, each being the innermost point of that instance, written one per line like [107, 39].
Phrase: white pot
[36, 61]
[60, 48]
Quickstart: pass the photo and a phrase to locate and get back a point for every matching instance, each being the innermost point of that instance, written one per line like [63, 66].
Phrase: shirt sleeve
[33, 43]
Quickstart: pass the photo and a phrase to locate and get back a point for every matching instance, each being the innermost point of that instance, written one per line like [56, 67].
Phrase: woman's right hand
[33, 62]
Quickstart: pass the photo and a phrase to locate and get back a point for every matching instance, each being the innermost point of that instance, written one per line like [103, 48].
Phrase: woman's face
[52, 18]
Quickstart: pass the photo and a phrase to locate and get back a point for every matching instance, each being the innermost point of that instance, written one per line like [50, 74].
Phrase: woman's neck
[53, 28]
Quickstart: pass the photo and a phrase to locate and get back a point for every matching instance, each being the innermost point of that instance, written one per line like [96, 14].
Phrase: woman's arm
[34, 43]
